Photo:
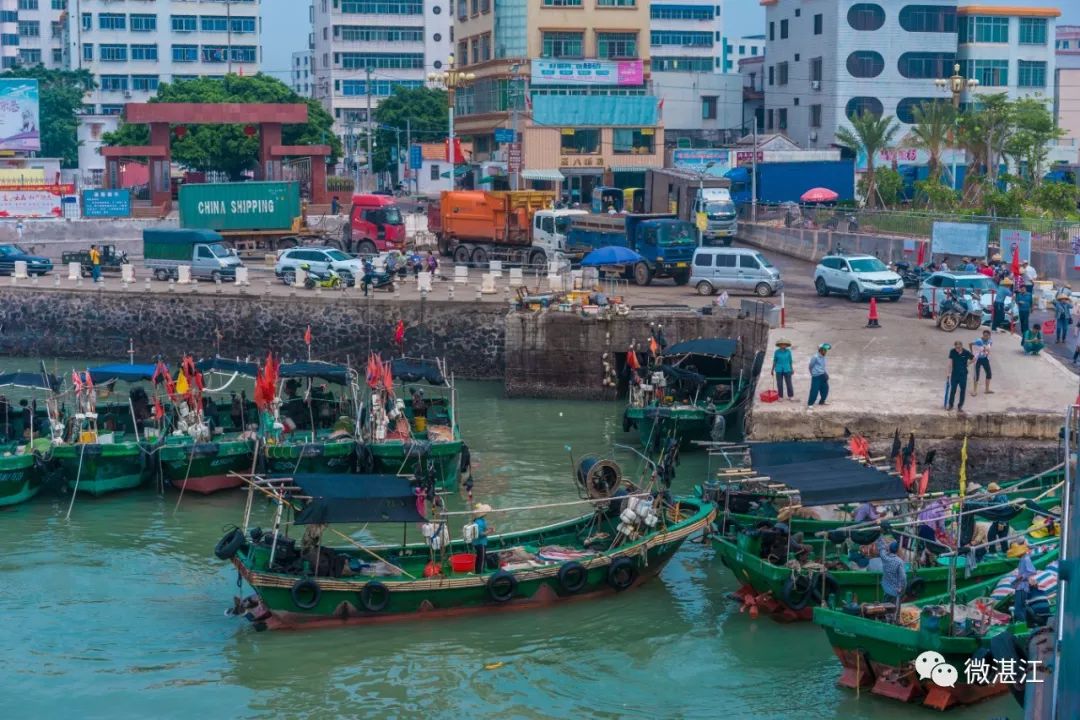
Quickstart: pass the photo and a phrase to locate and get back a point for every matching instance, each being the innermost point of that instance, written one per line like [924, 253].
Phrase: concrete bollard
[450, 292]
[194, 286]
[146, 284]
[487, 285]
[20, 270]
[74, 270]
[242, 276]
[217, 282]
[127, 273]
[461, 275]
[56, 281]
[423, 282]
[495, 268]
[479, 293]
[517, 277]
[266, 290]
[183, 275]
[172, 285]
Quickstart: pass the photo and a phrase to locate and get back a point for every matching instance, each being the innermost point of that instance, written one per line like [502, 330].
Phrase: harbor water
[119, 613]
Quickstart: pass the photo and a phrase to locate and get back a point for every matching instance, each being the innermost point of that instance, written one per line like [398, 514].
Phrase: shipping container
[240, 207]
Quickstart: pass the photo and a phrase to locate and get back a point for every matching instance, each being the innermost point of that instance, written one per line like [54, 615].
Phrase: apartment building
[1008, 49]
[363, 49]
[301, 75]
[41, 32]
[1067, 84]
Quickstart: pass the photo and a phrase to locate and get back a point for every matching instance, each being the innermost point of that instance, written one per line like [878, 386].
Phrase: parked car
[35, 264]
[970, 286]
[734, 269]
[320, 260]
[857, 276]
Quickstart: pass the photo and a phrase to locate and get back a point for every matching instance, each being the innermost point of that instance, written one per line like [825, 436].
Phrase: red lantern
[181, 131]
[249, 130]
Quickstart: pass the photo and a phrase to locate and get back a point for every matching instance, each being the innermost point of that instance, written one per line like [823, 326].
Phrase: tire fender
[302, 586]
[622, 573]
[794, 596]
[501, 586]
[832, 587]
[375, 596]
[573, 577]
[229, 544]
[914, 588]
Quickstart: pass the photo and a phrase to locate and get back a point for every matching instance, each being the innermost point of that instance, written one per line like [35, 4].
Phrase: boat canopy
[795, 451]
[708, 347]
[30, 381]
[305, 368]
[830, 481]
[417, 369]
[357, 498]
[227, 366]
[125, 372]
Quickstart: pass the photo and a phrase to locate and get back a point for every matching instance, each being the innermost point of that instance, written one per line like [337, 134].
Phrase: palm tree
[869, 134]
[932, 131]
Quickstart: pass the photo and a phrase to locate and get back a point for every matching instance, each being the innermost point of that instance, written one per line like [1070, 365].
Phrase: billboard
[19, 122]
[106, 203]
[698, 160]
[963, 239]
[32, 201]
[587, 72]
[1015, 239]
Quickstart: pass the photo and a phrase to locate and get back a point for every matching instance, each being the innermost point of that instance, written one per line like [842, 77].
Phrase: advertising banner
[587, 72]
[32, 201]
[1018, 239]
[19, 122]
[106, 203]
[963, 239]
[698, 160]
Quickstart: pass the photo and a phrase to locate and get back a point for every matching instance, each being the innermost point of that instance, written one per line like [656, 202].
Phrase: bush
[938, 195]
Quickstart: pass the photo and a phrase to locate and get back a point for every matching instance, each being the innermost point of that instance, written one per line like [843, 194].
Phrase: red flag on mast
[399, 334]
[307, 336]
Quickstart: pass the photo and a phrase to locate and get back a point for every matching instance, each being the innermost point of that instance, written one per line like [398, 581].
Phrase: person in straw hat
[1062, 316]
[1025, 577]
[1003, 292]
[480, 541]
[783, 368]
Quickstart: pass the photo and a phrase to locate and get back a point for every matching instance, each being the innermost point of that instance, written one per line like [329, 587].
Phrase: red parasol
[819, 195]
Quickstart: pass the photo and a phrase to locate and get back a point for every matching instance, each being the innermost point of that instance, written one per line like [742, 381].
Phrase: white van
[734, 269]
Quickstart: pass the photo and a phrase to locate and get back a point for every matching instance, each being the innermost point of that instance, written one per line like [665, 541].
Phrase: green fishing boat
[622, 543]
[99, 464]
[25, 434]
[692, 394]
[978, 627]
[205, 467]
[324, 453]
[412, 429]
[20, 476]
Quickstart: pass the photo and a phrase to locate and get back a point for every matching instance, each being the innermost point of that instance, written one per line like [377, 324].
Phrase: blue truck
[665, 243]
[780, 182]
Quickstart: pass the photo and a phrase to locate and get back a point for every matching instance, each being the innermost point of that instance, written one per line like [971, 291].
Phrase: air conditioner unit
[815, 84]
[813, 136]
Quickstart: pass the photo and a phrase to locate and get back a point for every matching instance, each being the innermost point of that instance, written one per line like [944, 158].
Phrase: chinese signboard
[33, 200]
[746, 157]
[513, 158]
[106, 203]
[587, 72]
[1018, 239]
[416, 157]
[581, 161]
[19, 123]
[962, 239]
[504, 135]
[706, 161]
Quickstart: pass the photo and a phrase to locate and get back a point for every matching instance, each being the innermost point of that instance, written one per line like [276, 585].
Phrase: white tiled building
[301, 76]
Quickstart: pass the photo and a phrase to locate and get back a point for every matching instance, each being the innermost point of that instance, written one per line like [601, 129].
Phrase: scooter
[912, 276]
[375, 279]
[329, 280]
[959, 311]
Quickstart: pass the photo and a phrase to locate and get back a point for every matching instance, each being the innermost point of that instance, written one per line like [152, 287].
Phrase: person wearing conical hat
[1062, 316]
[480, 542]
[1001, 294]
[1025, 577]
[783, 368]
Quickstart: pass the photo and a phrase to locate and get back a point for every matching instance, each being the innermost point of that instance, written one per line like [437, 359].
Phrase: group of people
[783, 369]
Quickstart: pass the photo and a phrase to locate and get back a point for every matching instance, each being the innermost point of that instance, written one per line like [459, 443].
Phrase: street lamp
[452, 80]
[956, 84]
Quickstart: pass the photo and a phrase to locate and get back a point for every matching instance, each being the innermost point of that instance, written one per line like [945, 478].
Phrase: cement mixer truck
[519, 226]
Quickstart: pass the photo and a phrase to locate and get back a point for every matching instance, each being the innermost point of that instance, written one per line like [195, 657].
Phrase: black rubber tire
[501, 586]
[375, 596]
[622, 573]
[821, 287]
[642, 274]
[853, 293]
[366, 247]
[914, 589]
[347, 277]
[305, 585]
[573, 577]
[763, 290]
[288, 276]
[538, 260]
[480, 257]
[795, 596]
[462, 255]
[161, 274]
[705, 288]
[681, 277]
[949, 322]
[831, 588]
[229, 544]
[309, 283]
[215, 277]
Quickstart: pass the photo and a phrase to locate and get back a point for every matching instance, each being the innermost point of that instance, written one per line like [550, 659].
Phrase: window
[383, 7]
[87, 21]
[475, 50]
[725, 260]
[772, 74]
[783, 29]
[475, 7]
[562, 3]
[684, 64]
[768, 119]
[1031, 74]
[686, 38]
[782, 118]
[111, 109]
[749, 261]
[708, 107]
[143, 23]
[926, 65]
[485, 47]
[114, 82]
[462, 10]
[28, 4]
[815, 116]
[616, 3]
[983, 29]
[242, 25]
[1032, 31]
[906, 107]
[379, 88]
[112, 21]
[59, 4]
[397, 61]
[580, 142]
[245, 53]
[29, 57]
[112, 53]
[57, 55]
[144, 52]
[862, 105]
[989, 73]
[772, 31]
[146, 83]
[742, 49]
[815, 70]
[681, 12]
[702, 259]
[819, 24]
[928, 18]
[214, 53]
[29, 28]
[865, 64]
[866, 16]
[781, 73]
[88, 51]
[185, 53]
[375, 33]
[635, 141]
[616, 45]
[562, 44]
[184, 23]
[462, 54]
[434, 172]
[213, 23]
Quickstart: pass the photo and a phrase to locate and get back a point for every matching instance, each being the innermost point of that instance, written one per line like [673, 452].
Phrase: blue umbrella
[611, 255]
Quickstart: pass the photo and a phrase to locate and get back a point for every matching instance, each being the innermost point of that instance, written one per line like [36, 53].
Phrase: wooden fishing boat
[21, 448]
[205, 467]
[20, 476]
[622, 543]
[692, 394]
[418, 435]
[880, 656]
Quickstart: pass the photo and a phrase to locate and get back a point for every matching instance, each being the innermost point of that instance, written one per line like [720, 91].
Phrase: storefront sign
[746, 157]
[587, 72]
[416, 157]
[33, 200]
[581, 161]
[709, 161]
[106, 203]
[504, 135]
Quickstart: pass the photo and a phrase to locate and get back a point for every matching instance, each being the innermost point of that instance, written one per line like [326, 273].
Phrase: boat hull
[287, 459]
[100, 469]
[20, 479]
[205, 467]
[397, 458]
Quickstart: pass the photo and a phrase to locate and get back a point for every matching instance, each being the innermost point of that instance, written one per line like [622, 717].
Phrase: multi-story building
[1008, 49]
[9, 33]
[301, 77]
[752, 72]
[363, 49]
[574, 75]
[1067, 84]
[42, 32]
[747, 46]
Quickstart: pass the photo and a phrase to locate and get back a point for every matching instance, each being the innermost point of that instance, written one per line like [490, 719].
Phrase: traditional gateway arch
[266, 117]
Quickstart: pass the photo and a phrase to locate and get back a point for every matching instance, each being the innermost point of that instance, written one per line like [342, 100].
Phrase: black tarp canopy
[709, 347]
[30, 381]
[795, 451]
[417, 369]
[225, 365]
[357, 498]
[305, 368]
[829, 481]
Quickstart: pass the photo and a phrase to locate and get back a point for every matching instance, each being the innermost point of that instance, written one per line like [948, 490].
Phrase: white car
[857, 276]
[970, 286]
[320, 260]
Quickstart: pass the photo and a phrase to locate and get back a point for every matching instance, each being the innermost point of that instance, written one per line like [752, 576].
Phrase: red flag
[631, 360]
[1016, 260]
[159, 411]
[653, 347]
[76, 382]
[924, 481]
[373, 371]
[399, 333]
[920, 256]
[387, 377]
[307, 336]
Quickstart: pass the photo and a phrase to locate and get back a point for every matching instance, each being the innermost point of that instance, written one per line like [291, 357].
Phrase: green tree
[228, 148]
[61, 98]
[1032, 129]
[933, 128]
[1057, 198]
[889, 184]
[984, 130]
[868, 134]
[423, 109]
[938, 195]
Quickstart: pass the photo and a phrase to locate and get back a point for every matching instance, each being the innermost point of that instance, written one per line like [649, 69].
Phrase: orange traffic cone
[872, 318]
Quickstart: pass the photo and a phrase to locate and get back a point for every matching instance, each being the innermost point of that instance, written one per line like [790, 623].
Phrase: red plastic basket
[463, 562]
[770, 396]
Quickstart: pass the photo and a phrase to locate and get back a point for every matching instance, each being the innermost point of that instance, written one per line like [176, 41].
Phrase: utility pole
[370, 167]
[408, 150]
[514, 97]
[753, 176]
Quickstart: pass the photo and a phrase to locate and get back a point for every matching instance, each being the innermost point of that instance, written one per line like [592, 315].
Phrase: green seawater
[119, 613]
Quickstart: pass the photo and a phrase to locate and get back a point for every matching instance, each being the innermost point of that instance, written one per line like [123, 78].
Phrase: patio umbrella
[819, 194]
[611, 255]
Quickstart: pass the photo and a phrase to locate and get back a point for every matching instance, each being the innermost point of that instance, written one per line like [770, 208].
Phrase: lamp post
[452, 80]
[956, 84]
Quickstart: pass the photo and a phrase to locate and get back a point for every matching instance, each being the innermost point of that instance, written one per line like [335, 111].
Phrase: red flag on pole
[1016, 260]
[920, 256]
[307, 336]
[632, 361]
[399, 334]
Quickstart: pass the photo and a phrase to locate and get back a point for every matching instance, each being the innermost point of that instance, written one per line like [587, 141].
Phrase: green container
[239, 207]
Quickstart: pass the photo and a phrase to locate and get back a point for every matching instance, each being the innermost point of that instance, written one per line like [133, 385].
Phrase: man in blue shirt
[1022, 303]
[981, 349]
[782, 367]
[1004, 290]
[481, 540]
[893, 574]
[1025, 579]
[819, 376]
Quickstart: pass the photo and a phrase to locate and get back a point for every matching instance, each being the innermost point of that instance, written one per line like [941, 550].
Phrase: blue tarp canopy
[30, 380]
[830, 481]
[125, 372]
[611, 255]
[225, 365]
[327, 371]
[357, 498]
[416, 369]
[708, 347]
[574, 111]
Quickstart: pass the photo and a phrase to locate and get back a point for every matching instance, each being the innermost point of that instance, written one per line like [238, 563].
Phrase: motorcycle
[912, 276]
[959, 311]
[329, 280]
[376, 279]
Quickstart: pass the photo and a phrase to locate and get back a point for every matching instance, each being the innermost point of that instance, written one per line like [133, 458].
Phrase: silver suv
[320, 260]
[857, 276]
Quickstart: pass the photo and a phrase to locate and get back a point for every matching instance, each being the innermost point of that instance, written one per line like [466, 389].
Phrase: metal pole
[369, 158]
[514, 180]
[450, 154]
[408, 147]
[753, 177]
[228, 28]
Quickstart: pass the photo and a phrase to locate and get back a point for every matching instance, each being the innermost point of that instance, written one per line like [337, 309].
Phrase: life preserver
[229, 544]
[796, 592]
[914, 588]
[306, 585]
[572, 577]
[465, 464]
[622, 573]
[365, 460]
[501, 586]
[831, 587]
[375, 596]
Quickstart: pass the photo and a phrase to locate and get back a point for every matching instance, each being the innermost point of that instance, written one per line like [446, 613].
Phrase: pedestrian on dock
[1001, 294]
[981, 349]
[959, 360]
[1028, 275]
[1062, 317]
[819, 377]
[1022, 303]
[783, 368]
[95, 263]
